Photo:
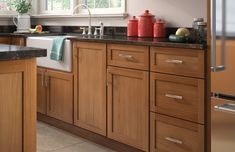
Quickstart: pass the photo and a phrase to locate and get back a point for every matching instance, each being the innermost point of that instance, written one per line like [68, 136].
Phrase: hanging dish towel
[57, 50]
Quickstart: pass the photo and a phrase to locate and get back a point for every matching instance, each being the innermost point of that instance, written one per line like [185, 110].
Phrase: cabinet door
[90, 87]
[41, 91]
[18, 41]
[128, 107]
[59, 95]
[5, 40]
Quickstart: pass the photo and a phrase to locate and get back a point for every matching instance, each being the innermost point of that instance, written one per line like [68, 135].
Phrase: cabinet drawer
[185, 62]
[129, 56]
[169, 134]
[177, 96]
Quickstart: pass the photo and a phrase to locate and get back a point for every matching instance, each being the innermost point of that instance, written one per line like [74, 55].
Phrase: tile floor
[51, 139]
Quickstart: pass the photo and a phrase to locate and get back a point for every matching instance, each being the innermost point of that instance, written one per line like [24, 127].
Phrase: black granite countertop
[159, 42]
[13, 52]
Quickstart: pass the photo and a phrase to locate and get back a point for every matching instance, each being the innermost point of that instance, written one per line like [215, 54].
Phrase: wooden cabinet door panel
[41, 91]
[59, 95]
[128, 107]
[5, 40]
[11, 114]
[90, 86]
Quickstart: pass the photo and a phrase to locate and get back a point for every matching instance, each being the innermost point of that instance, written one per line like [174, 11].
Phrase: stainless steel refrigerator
[223, 75]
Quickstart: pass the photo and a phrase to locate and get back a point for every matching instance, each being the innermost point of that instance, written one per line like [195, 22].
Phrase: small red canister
[146, 23]
[159, 29]
[132, 27]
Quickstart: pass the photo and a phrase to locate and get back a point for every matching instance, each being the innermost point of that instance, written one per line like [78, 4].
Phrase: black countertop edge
[161, 42]
[158, 42]
[13, 52]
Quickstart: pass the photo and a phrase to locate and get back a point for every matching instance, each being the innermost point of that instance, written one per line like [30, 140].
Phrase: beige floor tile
[50, 138]
[84, 147]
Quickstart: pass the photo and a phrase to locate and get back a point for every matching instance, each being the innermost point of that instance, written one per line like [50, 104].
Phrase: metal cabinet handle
[174, 96]
[125, 56]
[228, 108]
[174, 61]
[214, 66]
[176, 141]
[46, 80]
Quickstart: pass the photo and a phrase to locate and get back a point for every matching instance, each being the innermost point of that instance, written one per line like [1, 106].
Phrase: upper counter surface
[13, 52]
[158, 42]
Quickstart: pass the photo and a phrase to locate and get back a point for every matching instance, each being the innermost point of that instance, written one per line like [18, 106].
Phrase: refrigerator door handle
[214, 66]
[227, 108]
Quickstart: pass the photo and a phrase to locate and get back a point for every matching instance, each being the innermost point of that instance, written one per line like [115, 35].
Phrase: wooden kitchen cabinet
[5, 40]
[59, 95]
[55, 94]
[18, 41]
[90, 86]
[18, 106]
[128, 106]
[169, 134]
[41, 91]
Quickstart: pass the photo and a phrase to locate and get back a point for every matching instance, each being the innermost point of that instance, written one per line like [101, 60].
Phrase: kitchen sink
[46, 42]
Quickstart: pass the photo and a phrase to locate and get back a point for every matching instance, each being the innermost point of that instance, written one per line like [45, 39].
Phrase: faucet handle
[83, 30]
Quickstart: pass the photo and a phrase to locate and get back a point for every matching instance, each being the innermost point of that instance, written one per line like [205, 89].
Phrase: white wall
[178, 13]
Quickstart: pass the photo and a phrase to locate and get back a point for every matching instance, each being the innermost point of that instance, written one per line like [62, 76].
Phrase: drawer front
[169, 134]
[129, 56]
[185, 62]
[177, 96]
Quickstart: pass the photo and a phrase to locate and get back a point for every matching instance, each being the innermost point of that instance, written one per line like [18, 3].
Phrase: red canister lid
[147, 14]
[133, 19]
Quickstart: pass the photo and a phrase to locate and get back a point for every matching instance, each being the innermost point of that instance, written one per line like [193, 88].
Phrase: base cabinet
[128, 106]
[18, 106]
[90, 86]
[55, 94]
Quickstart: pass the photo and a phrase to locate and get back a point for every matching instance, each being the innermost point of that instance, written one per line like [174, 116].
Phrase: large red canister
[132, 27]
[159, 29]
[146, 22]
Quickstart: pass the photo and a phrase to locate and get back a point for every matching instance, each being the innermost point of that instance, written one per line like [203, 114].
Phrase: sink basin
[45, 42]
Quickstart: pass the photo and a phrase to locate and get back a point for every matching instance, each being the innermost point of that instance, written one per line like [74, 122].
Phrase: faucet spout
[89, 11]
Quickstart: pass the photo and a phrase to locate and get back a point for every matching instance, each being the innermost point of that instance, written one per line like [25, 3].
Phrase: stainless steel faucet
[89, 11]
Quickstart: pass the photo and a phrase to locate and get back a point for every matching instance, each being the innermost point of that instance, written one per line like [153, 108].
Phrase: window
[5, 7]
[105, 6]
[55, 6]
[96, 6]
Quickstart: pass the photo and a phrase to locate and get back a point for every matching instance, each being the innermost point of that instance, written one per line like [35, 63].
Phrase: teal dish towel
[57, 50]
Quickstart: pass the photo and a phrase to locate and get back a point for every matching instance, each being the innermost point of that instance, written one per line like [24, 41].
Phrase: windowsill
[120, 15]
[49, 16]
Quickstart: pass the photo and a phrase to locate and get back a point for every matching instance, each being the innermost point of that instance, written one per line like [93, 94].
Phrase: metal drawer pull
[125, 56]
[174, 96]
[175, 61]
[227, 107]
[176, 141]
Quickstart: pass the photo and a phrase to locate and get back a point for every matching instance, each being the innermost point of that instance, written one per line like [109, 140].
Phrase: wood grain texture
[41, 91]
[128, 56]
[27, 68]
[192, 61]
[90, 86]
[189, 136]
[189, 107]
[11, 115]
[59, 87]
[128, 107]
[18, 40]
[5, 40]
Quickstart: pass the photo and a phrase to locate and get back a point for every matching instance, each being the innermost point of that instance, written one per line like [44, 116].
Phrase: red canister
[146, 22]
[159, 29]
[132, 27]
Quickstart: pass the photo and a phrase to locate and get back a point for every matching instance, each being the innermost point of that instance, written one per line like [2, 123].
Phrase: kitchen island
[18, 98]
